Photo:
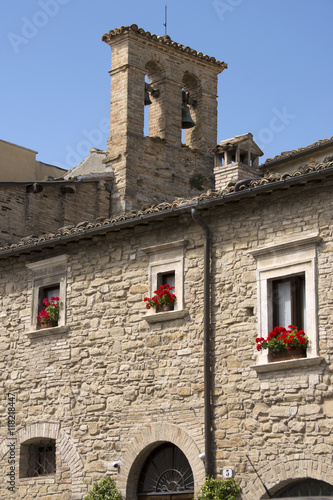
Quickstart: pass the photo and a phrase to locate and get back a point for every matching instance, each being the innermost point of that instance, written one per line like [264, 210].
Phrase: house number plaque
[227, 473]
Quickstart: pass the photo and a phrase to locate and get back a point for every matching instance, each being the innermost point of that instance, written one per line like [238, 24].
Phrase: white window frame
[282, 260]
[46, 273]
[166, 258]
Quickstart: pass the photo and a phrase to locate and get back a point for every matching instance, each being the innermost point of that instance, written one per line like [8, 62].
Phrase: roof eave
[296, 155]
[175, 211]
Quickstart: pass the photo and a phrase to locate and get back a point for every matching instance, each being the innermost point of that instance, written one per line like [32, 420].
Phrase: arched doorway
[305, 487]
[166, 475]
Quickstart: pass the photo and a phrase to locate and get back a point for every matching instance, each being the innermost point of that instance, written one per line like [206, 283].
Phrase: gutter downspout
[207, 363]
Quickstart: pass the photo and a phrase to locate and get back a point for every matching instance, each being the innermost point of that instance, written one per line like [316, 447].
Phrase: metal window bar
[41, 460]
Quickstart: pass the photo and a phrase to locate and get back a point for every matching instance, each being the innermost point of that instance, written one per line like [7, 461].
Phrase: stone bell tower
[159, 166]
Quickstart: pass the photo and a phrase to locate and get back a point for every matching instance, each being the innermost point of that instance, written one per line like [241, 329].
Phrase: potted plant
[104, 490]
[163, 300]
[284, 344]
[49, 315]
[219, 489]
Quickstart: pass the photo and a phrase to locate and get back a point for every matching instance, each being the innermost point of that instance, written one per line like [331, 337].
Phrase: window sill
[165, 316]
[47, 479]
[288, 364]
[47, 331]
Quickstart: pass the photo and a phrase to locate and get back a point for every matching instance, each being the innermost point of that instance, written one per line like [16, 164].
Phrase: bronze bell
[187, 121]
[147, 98]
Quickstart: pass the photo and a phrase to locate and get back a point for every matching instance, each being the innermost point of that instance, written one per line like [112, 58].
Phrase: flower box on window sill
[297, 353]
[47, 324]
[165, 308]
[165, 316]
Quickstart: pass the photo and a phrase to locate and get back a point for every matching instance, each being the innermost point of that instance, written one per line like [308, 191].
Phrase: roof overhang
[167, 210]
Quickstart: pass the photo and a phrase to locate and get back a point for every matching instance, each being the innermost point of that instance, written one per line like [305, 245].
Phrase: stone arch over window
[305, 487]
[155, 75]
[192, 85]
[283, 472]
[64, 446]
[145, 443]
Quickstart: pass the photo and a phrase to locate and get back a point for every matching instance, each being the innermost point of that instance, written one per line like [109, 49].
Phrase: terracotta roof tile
[305, 149]
[249, 185]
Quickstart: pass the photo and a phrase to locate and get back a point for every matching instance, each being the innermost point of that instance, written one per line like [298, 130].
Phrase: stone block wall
[160, 177]
[233, 172]
[12, 214]
[44, 208]
[115, 384]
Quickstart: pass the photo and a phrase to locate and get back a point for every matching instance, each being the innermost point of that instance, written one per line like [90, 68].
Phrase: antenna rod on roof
[165, 17]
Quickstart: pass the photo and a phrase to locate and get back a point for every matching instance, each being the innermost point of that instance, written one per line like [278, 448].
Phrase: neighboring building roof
[298, 152]
[17, 146]
[162, 39]
[93, 164]
[232, 193]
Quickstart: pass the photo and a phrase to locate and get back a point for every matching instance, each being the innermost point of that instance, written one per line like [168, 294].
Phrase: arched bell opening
[154, 113]
[306, 487]
[191, 105]
[166, 474]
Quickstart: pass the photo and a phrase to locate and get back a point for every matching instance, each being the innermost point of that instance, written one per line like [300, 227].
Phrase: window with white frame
[287, 289]
[166, 266]
[49, 280]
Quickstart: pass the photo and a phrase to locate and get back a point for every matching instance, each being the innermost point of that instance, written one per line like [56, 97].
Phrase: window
[166, 266]
[166, 279]
[286, 278]
[49, 279]
[38, 458]
[288, 301]
[48, 293]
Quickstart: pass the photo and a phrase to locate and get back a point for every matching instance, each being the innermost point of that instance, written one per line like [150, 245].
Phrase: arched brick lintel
[145, 442]
[65, 447]
[281, 472]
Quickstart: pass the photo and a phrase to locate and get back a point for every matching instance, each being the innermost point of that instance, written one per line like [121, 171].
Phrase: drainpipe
[207, 364]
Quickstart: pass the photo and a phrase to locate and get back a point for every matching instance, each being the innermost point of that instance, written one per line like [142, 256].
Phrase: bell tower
[177, 83]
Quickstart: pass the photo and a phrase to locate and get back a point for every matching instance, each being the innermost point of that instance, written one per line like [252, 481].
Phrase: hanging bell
[147, 98]
[187, 121]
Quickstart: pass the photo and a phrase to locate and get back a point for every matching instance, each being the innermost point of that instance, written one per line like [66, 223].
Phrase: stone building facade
[115, 389]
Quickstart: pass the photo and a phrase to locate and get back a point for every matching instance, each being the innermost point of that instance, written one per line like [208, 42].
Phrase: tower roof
[165, 39]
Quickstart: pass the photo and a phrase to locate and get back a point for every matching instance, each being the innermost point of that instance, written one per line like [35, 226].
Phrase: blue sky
[55, 86]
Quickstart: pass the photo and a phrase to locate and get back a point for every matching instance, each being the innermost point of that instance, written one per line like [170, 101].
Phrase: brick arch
[281, 472]
[145, 442]
[65, 446]
[154, 70]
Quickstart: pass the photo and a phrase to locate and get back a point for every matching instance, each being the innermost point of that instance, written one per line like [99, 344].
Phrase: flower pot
[47, 324]
[296, 353]
[164, 308]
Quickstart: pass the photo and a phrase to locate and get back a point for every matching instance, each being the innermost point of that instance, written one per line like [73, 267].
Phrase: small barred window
[38, 458]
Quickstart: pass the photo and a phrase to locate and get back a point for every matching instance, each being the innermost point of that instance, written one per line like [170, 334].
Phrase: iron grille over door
[166, 475]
